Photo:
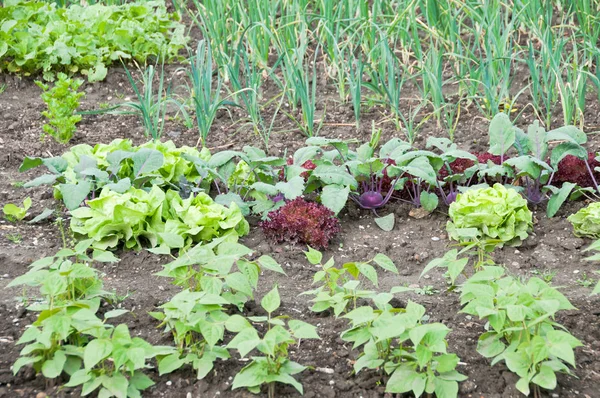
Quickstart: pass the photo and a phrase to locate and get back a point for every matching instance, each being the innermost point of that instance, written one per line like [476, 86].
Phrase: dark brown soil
[413, 242]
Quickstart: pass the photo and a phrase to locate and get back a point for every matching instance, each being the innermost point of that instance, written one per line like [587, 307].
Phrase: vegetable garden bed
[549, 252]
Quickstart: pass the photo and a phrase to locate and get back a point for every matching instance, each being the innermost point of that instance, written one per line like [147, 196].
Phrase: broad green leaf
[146, 161]
[558, 198]
[41, 180]
[269, 263]
[291, 189]
[385, 262]
[96, 351]
[313, 256]
[52, 368]
[74, 194]
[545, 378]
[271, 301]
[334, 175]
[429, 201]
[502, 134]
[303, 330]
[334, 197]
[42, 216]
[567, 148]
[386, 223]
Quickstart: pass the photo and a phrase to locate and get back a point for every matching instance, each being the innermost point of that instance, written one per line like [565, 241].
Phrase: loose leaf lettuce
[36, 36]
[496, 213]
[139, 219]
[586, 222]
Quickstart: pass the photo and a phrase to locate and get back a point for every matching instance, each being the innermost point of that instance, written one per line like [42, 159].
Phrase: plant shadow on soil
[411, 244]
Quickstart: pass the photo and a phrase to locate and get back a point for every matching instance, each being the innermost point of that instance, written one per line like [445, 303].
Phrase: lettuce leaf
[586, 222]
[495, 213]
[139, 219]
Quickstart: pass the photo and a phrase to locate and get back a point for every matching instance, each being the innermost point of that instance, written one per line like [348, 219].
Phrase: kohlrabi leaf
[558, 198]
[502, 134]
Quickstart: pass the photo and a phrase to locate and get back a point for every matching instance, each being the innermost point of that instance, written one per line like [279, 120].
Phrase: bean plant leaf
[271, 301]
[96, 351]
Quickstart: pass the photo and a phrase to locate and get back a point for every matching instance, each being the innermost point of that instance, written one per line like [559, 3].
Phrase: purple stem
[589, 169]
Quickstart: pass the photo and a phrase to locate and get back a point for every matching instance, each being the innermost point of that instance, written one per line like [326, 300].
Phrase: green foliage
[114, 362]
[275, 365]
[494, 213]
[586, 222]
[395, 341]
[210, 268]
[197, 316]
[340, 286]
[520, 328]
[197, 321]
[138, 218]
[13, 212]
[343, 173]
[84, 171]
[71, 293]
[205, 99]
[62, 101]
[84, 39]
[250, 178]
[68, 338]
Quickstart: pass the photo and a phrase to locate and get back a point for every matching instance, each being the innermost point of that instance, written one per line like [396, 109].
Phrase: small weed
[586, 281]
[546, 275]
[427, 291]
[14, 238]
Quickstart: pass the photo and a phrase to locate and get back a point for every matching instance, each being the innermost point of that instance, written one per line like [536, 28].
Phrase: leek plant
[206, 100]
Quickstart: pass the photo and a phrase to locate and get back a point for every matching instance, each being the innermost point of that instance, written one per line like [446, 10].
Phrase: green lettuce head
[586, 222]
[490, 214]
[139, 218]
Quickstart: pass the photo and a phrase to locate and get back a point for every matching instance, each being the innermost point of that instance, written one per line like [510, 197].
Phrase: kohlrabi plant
[496, 213]
[339, 287]
[252, 179]
[459, 169]
[83, 171]
[537, 165]
[274, 365]
[586, 222]
[520, 328]
[396, 342]
[370, 180]
[530, 167]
